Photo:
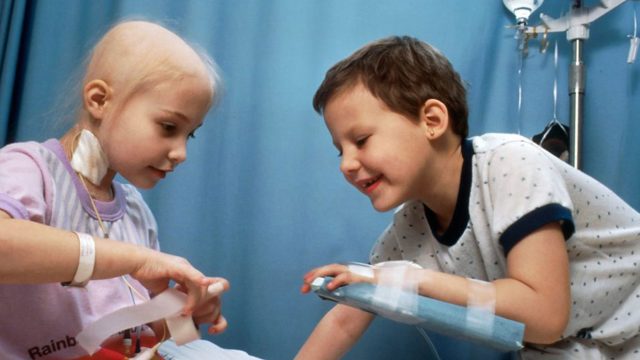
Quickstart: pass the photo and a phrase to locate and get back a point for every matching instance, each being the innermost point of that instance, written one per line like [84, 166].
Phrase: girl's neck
[101, 192]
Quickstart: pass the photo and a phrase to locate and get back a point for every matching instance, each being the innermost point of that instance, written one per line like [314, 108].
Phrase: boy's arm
[335, 334]
[537, 278]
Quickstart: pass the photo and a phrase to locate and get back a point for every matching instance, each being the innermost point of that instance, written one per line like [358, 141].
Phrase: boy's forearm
[513, 300]
[336, 333]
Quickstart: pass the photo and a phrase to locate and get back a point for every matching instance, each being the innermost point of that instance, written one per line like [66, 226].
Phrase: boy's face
[145, 136]
[384, 154]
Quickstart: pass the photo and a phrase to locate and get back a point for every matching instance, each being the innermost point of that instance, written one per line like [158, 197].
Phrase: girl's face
[146, 135]
[384, 154]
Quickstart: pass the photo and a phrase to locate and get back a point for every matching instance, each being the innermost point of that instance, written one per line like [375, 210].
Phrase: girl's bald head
[137, 54]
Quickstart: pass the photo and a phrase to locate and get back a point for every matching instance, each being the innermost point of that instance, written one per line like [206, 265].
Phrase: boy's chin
[383, 206]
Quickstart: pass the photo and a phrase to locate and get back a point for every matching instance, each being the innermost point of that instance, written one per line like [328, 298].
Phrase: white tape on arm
[86, 260]
[364, 270]
[481, 306]
[397, 290]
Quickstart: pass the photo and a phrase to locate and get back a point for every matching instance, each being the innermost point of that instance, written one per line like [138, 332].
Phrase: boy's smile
[370, 184]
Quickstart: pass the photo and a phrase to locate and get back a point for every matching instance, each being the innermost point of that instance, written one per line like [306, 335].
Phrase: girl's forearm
[35, 253]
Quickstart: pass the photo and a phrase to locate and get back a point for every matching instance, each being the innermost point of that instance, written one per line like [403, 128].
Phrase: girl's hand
[209, 311]
[342, 275]
[156, 269]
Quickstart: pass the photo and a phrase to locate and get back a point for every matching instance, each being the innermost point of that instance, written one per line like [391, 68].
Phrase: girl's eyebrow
[177, 114]
[181, 116]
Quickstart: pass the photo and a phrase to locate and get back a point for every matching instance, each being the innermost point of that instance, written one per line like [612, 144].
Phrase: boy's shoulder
[491, 142]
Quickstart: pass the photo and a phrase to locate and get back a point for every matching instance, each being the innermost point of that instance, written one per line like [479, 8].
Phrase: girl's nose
[178, 152]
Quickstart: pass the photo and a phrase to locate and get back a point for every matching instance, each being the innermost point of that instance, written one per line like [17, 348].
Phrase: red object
[115, 350]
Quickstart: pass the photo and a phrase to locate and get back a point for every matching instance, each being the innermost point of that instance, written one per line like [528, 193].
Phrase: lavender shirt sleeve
[25, 182]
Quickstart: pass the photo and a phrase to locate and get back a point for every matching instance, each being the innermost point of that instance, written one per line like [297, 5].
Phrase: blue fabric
[12, 17]
[261, 200]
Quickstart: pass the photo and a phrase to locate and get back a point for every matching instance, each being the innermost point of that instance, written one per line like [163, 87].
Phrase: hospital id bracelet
[86, 262]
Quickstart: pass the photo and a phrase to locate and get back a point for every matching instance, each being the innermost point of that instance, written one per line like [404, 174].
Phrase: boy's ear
[96, 95]
[435, 117]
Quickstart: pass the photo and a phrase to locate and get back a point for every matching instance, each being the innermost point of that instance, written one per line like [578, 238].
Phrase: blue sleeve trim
[535, 220]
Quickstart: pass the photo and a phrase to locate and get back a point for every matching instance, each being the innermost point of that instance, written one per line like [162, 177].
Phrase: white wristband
[87, 260]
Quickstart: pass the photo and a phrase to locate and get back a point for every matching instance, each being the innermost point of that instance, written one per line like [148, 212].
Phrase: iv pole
[576, 25]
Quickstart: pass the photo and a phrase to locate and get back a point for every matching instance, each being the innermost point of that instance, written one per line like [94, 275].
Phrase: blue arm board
[433, 315]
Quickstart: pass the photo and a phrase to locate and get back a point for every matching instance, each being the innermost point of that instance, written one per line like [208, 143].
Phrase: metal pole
[576, 97]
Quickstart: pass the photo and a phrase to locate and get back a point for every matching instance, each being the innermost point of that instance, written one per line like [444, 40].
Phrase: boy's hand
[342, 275]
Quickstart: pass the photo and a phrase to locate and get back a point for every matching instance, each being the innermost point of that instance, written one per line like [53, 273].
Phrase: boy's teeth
[370, 182]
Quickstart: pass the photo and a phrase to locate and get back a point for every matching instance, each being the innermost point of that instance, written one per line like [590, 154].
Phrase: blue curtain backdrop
[260, 200]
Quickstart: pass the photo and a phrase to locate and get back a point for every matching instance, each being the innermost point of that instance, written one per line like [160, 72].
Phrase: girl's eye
[361, 141]
[168, 127]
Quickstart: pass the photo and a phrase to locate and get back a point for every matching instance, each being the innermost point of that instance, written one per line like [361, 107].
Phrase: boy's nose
[349, 164]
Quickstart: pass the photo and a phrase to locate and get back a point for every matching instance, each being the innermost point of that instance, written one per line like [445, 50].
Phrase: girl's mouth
[159, 173]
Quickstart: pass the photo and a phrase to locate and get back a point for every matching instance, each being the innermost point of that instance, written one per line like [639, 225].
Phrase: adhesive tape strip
[397, 289]
[364, 270]
[167, 305]
[481, 306]
[181, 327]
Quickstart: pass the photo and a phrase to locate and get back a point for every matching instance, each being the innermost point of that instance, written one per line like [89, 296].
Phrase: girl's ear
[96, 95]
[435, 117]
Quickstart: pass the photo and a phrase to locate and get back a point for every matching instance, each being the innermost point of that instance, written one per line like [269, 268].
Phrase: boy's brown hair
[403, 72]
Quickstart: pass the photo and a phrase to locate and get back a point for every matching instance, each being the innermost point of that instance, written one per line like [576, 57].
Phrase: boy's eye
[192, 135]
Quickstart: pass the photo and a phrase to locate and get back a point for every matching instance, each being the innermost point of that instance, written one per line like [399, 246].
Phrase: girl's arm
[34, 253]
[537, 278]
[335, 334]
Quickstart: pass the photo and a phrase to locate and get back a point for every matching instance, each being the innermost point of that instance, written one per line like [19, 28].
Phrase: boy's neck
[447, 170]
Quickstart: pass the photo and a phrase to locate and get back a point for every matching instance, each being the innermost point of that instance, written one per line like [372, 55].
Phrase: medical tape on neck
[481, 304]
[167, 305]
[88, 158]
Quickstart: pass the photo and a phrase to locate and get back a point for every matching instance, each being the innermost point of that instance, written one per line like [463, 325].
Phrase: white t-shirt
[509, 188]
